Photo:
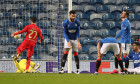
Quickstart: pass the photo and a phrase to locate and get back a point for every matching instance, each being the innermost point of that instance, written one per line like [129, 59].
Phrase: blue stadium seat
[130, 9]
[89, 8]
[122, 2]
[109, 2]
[95, 17]
[101, 25]
[42, 16]
[34, 8]
[78, 8]
[45, 32]
[11, 8]
[92, 50]
[19, 1]
[6, 1]
[82, 16]
[1, 24]
[137, 9]
[53, 32]
[84, 50]
[63, 7]
[48, 41]
[84, 33]
[89, 41]
[93, 57]
[44, 1]
[94, 33]
[134, 17]
[133, 26]
[83, 56]
[137, 26]
[108, 33]
[82, 39]
[134, 2]
[108, 17]
[75, 2]
[118, 17]
[115, 25]
[97, 38]
[89, 25]
[102, 9]
[83, 2]
[14, 15]
[115, 9]
[2, 8]
[11, 49]
[32, 1]
[97, 2]
[52, 49]
[3, 40]
[52, 8]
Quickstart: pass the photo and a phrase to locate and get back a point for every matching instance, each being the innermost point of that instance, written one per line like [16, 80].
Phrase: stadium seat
[97, 38]
[133, 26]
[53, 32]
[83, 56]
[2, 8]
[102, 9]
[89, 41]
[19, 1]
[97, 2]
[108, 33]
[95, 17]
[45, 32]
[48, 41]
[52, 8]
[92, 50]
[44, 1]
[134, 17]
[137, 26]
[101, 25]
[75, 2]
[6, 1]
[11, 8]
[118, 17]
[115, 9]
[122, 2]
[1, 24]
[82, 16]
[84, 33]
[32, 1]
[83, 2]
[42, 16]
[78, 8]
[52, 49]
[137, 9]
[108, 17]
[89, 8]
[134, 2]
[84, 50]
[109, 2]
[34, 8]
[115, 25]
[3, 40]
[94, 33]
[130, 9]
[93, 57]
[89, 25]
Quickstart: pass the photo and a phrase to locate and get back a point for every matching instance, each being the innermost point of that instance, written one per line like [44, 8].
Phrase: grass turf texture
[54, 78]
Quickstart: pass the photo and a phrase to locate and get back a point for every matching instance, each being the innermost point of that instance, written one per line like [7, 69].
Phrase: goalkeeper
[21, 66]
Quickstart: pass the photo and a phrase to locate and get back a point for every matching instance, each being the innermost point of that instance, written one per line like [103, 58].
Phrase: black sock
[64, 59]
[77, 61]
[127, 64]
[121, 65]
[98, 63]
[116, 63]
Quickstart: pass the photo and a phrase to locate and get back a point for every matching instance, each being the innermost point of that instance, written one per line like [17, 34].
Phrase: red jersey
[32, 32]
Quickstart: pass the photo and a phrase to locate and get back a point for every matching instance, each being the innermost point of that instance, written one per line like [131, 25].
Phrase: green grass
[54, 78]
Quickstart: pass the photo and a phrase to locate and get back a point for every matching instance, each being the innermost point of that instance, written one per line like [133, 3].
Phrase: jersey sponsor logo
[72, 31]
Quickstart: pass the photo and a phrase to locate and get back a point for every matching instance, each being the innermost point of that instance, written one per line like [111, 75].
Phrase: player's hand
[79, 45]
[12, 35]
[39, 41]
[69, 45]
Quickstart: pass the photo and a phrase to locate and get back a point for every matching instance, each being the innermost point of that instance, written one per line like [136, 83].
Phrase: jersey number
[32, 31]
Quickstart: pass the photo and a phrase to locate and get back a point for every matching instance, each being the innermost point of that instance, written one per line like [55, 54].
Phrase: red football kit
[30, 40]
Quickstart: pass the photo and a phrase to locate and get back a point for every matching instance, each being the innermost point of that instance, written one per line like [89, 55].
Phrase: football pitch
[55, 78]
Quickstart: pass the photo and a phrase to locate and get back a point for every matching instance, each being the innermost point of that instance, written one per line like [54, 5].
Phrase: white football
[17, 36]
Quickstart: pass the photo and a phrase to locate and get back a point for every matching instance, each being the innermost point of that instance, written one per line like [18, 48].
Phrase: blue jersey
[109, 40]
[135, 57]
[71, 29]
[125, 32]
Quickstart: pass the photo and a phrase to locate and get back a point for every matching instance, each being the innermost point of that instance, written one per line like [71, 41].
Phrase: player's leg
[116, 49]
[20, 49]
[116, 67]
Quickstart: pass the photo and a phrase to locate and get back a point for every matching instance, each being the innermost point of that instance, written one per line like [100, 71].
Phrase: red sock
[75, 53]
[99, 59]
[66, 52]
[119, 59]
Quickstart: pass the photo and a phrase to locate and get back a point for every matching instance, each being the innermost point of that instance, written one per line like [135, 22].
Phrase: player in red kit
[30, 40]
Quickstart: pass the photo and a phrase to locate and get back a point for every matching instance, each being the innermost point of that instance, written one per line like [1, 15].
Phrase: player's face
[135, 47]
[123, 14]
[72, 17]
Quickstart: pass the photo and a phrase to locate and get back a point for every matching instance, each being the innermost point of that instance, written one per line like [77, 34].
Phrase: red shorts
[29, 47]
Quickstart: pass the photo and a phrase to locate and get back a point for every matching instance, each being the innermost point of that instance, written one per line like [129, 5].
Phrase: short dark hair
[137, 43]
[72, 12]
[33, 19]
[127, 12]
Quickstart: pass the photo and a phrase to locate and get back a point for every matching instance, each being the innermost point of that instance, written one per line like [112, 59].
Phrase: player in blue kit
[135, 56]
[125, 34]
[104, 46]
[71, 34]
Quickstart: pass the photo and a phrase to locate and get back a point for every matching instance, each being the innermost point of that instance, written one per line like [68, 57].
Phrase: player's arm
[124, 26]
[40, 35]
[22, 31]
[128, 57]
[78, 35]
[66, 33]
